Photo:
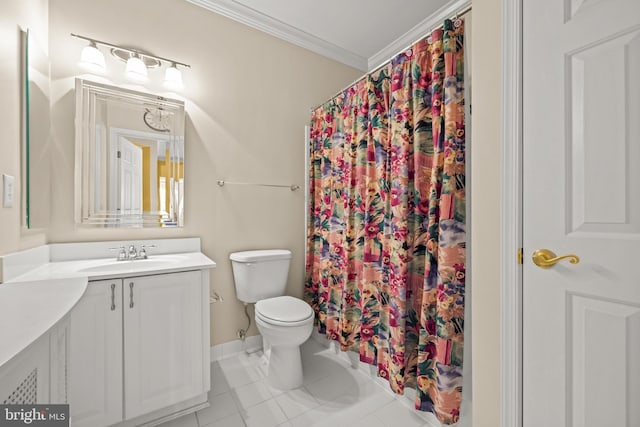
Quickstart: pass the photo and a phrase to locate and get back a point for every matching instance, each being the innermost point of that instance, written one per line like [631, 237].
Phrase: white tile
[216, 352]
[382, 383]
[218, 386]
[347, 411]
[312, 346]
[313, 372]
[220, 406]
[396, 414]
[251, 394]
[265, 414]
[184, 421]
[333, 387]
[354, 359]
[219, 383]
[250, 360]
[295, 402]
[369, 393]
[361, 377]
[322, 416]
[237, 374]
[274, 391]
[322, 364]
[229, 363]
[234, 420]
[368, 370]
[373, 397]
[369, 421]
[408, 401]
[215, 369]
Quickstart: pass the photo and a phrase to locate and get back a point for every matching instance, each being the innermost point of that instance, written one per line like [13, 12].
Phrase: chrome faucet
[122, 254]
[142, 254]
[132, 253]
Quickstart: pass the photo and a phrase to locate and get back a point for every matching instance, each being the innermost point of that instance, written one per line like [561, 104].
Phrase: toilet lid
[284, 309]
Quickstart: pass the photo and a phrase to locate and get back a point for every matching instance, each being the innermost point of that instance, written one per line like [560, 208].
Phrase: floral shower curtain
[385, 268]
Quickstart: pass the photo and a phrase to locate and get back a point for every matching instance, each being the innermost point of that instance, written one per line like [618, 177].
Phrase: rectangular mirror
[36, 128]
[129, 168]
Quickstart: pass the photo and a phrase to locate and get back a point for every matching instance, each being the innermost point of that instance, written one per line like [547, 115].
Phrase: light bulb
[92, 59]
[173, 78]
[136, 70]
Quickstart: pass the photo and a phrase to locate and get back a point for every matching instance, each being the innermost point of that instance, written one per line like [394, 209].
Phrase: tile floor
[333, 394]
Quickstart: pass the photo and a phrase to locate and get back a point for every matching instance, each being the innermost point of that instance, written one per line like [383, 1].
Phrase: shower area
[387, 221]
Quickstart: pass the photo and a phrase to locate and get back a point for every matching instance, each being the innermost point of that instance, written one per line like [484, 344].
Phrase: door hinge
[520, 256]
[119, 154]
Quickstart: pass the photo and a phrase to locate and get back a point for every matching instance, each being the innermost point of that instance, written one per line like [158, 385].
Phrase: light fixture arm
[130, 50]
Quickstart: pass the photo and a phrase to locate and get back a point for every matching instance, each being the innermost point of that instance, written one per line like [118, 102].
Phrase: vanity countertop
[109, 268]
[28, 310]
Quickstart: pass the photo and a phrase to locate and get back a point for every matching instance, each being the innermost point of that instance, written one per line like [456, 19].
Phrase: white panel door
[130, 178]
[163, 341]
[95, 356]
[581, 322]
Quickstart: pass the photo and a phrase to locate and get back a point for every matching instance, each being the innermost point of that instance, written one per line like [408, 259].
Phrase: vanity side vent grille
[26, 393]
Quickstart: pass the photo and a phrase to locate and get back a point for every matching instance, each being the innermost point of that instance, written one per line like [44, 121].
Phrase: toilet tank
[260, 274]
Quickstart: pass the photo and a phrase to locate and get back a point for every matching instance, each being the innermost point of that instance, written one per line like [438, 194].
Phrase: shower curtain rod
[463, 11]
[292, 187]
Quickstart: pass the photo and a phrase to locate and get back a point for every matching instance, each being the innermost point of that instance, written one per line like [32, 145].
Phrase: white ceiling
[360, 33]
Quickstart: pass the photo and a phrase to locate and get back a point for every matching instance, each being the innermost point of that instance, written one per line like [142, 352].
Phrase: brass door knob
[544, 258]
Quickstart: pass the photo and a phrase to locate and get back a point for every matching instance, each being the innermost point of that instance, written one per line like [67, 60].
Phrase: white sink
[157, 261]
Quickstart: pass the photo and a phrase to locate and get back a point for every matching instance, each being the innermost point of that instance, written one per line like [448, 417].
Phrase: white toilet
[285, 322]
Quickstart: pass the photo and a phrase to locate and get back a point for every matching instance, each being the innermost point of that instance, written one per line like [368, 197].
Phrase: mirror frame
[35, 131]
[87, 93]
[24, 124]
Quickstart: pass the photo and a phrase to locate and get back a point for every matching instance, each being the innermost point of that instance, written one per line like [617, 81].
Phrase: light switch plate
[7, 185]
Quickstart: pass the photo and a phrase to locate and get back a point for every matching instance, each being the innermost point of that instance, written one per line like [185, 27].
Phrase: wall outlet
[8, 186]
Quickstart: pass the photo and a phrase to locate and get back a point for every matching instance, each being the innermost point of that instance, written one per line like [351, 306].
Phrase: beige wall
[15, 14]
[247, 100]
[486, 154]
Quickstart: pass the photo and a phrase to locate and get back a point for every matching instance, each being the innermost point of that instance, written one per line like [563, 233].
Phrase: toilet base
[285, 367]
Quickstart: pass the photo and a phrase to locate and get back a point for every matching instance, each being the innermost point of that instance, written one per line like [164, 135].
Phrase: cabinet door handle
[130, 294]
[113, 296]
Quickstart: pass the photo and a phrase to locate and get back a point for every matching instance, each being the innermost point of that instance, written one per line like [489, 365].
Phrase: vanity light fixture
[136, 70]
[173, 77]
[92, 59]
[137, 62]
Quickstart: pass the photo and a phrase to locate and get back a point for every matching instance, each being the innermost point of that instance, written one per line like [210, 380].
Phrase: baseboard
[232, 348]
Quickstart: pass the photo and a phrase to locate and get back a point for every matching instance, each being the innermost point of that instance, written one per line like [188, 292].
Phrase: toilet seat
[284, 311]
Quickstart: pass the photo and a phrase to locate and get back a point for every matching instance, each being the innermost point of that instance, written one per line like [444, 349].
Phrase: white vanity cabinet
[162, 341]
[95, 356]
[138, 345]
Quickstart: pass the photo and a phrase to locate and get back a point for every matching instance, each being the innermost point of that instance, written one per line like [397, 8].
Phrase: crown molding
[416, 33]
[281, 30]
